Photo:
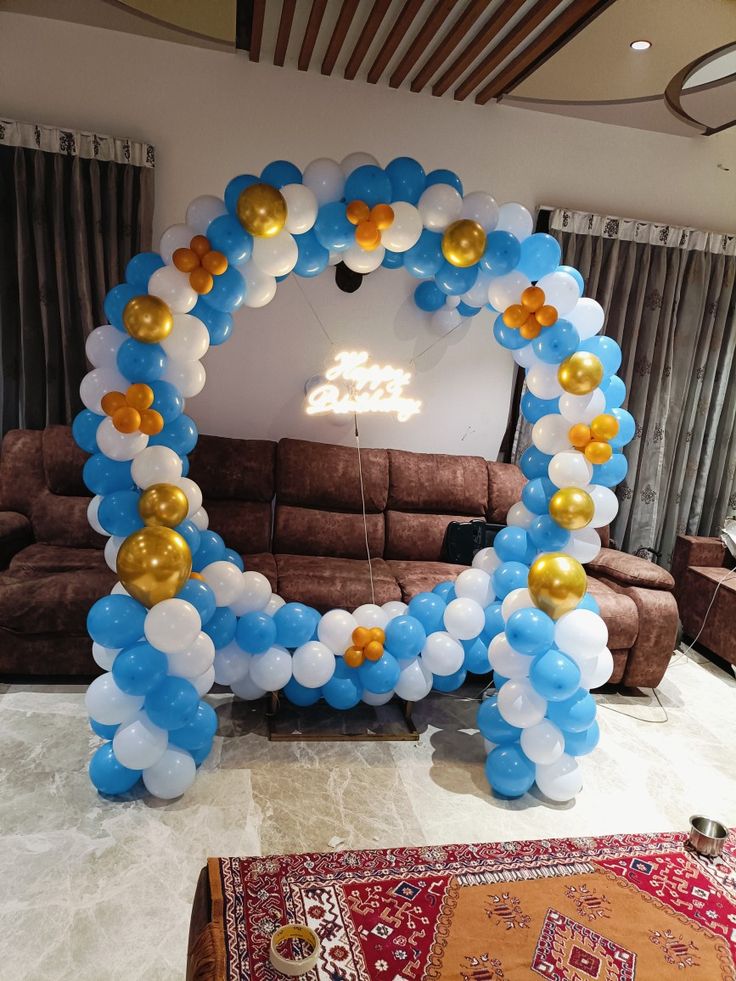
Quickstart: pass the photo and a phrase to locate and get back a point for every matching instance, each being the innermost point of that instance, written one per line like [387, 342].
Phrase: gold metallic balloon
[153, 564]
[463, 242]
[262, 210]
[557, 583]
[571, 508]
[604, 427]
[163, 504]
[148, 319]
[580, 373]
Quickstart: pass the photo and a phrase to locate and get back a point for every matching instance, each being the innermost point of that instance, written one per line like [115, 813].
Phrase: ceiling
[571, 57]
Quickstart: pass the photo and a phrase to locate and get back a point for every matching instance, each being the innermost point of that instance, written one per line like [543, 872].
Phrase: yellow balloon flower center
[131, 411]
[202, 262]
[531, 315]
[369, 222]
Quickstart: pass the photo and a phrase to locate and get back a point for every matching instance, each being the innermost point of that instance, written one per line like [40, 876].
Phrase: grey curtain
[74, 208]
[669, 295]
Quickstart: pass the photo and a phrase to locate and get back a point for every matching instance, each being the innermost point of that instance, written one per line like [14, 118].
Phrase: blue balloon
[494, 622]
[173, 703]
[232, 556]
[380, 676]
[108, 775]
[540, 255]
[235, 188]
[534, 463]
[228, 236]
[465, 310]
[221, 626]
[116, 621]
[281, 172]
[219, 324]
[103, 475]
[492, 724]
[84, 429]
[184, 466]
[533, 408]
[530, 631]
[455, 280]
[313, 257]
[574, 714]
[103, 731]
[228, 292]
[450, 682]
[199, 731]
[167, 399]
[443, 176]
[294, 624]
[424, 258]
[429, 297]
[582, 743]
[546, 535]
[118, 513]
[392, 260]
[606, 350]
[256, 632]
[332, 228]
[116, 301]
[509, 771]
[589, 602]
[508, 577]
[536, 495]
[211, 549]
[343, 690]
[407, 178]
[446, 592]
[512, 545]
[626, 429]
[506, 336]
[140, 362]
[498, 681]
[191, 535]
[405, 636]
[429, 610]
[612, 472]
[476, 655]
[502, 253]
[556, 343]
[200, 595]
[572, 271]
[201, 754]
[139, 669]
[181, 435]
[370, 184]
[140, 269]
[299, 695]
[614, 390]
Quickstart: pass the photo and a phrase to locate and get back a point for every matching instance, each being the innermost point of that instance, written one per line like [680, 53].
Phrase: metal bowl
[707, 836]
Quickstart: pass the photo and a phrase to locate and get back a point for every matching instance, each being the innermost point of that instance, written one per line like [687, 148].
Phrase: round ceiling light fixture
[641, 45]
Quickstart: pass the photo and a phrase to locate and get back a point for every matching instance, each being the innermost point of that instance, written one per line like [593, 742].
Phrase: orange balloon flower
[369, 222]
[367, 645]
[202, 263]
[531, 315]
[131, 412]
[593, 440]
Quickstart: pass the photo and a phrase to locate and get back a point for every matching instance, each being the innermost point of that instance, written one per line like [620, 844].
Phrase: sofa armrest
[15, 534]
[630, 570]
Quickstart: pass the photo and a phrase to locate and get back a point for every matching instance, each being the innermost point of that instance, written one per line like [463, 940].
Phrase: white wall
[213, 115]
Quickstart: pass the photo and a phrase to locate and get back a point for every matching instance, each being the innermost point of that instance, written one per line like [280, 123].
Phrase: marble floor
[94, 889]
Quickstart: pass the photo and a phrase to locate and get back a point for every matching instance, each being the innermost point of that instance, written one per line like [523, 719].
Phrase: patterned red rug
[619, 908]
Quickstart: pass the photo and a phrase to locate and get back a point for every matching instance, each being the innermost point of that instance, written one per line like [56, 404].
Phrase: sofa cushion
[245, 525]
[326, 582]
[421, 577]
[265, 563]
[40, 559]
[308, 531]
[437, 482]
[619, 612]
[234, 469]
[417, 536]
[326, 476]
[505, 484]
[630, 570]
[21, 470]
[15, 534]
[59, 520]
[57, 603]
[63, 462]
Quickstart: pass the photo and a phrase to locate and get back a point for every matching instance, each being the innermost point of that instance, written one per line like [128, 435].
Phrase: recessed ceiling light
[640, 45]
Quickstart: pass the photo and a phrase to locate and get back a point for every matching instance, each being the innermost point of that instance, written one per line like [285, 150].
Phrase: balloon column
[185, 613]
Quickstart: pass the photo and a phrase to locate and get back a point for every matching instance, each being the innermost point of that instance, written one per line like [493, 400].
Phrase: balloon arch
[185, 612]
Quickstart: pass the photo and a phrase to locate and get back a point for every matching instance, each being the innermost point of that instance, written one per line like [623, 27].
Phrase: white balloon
[355, 160]
[200, 518]
[606, 505]
[277, 255]
[108, 704]
[475, 584]
[203, 211]
[188, 376]
[587, 317]
[415, 681]
[581, 633]
[231, 663]
[370, 615]
[561, 780]
[584, 545]
[112, 547]
[543, 743]
[481, 207]
[325, 178]
[507, 289]
[92, 509]
[195, 660]
[452, 302]
[439, 206]
[373, 698]
[255, 594]
[102, 345]
[247, 689]
[225, 580]
[301, 208]
[172, 626]
[445, 320]
[336, 627]
[271, 670]
[525, 356]
[488, 746]
[541, 380]
[203, 682]
[477, 295]
[517, 599]
[597, 670]
[313, 664]
[171, 775]
[464, 619]
[506, 661]
[394, 608]
[260, 288]
[582, 408]
[520, 705]
[561, 290]
[189, 340]
[139, 743]
[515, 218]
[118, 589]
[175, 237]
[119, 446]
[487, 560]
[442, 654]
[104, 656]
[99, 382]
[359, 260]
[520, 516]
[156, 465]
[550, 434]
[173, 287]
[404, 230]
[570, 468]
[194, 495]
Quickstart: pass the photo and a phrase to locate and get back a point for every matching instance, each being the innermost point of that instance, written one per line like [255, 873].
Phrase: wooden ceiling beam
[310, 34]
[397, 33]
[419, 45]
[449, 42]
[372, 24]
[485, 36]
[282, 38]
[256, 31]
[342, 26]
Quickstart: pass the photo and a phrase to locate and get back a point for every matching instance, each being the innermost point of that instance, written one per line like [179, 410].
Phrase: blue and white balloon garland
[521, 611]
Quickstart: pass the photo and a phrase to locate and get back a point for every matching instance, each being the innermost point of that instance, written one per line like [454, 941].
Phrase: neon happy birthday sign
[367, 388]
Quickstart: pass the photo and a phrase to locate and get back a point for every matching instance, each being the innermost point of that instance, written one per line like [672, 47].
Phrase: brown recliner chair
[705, 588]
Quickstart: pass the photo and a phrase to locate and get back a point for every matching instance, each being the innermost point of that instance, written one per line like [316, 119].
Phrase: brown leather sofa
[293, 510]
[700, 567]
